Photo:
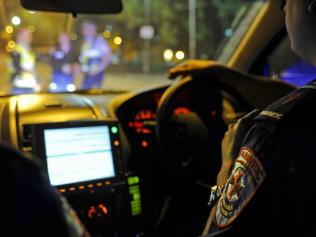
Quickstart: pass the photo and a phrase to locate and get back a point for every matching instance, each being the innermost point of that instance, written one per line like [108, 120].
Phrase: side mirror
[75, 6]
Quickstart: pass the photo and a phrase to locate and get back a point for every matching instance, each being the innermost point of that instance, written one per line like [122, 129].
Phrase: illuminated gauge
[182, 110]
[144, 122]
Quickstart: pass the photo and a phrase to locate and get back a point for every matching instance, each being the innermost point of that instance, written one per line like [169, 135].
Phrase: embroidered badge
[271, 114]
[247, 175]
[309, 87]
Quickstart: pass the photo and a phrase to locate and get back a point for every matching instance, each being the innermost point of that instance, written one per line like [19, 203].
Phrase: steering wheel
[190, 137]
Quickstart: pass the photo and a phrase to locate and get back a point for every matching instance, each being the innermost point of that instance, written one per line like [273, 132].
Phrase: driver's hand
[231, 144]
[192, 67]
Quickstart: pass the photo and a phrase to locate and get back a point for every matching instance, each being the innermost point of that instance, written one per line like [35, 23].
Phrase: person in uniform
[95, 56]
[267, 186]
[22, 64]
[63, 62]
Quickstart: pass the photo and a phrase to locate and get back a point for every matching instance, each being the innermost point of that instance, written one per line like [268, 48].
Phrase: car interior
[141, 162]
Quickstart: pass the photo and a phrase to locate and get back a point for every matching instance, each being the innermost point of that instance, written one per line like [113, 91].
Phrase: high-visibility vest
[25, 79]
[92, 53]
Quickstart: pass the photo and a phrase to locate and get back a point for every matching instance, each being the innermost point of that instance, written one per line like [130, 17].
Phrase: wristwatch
[216, 192]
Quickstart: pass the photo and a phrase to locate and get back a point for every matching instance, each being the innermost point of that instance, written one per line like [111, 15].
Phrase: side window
[281, 63]
[287, 66]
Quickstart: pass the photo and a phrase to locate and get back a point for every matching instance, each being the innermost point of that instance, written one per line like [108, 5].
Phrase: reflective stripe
[26, 80]
[92, 53]
[27, 62]
[27, 57]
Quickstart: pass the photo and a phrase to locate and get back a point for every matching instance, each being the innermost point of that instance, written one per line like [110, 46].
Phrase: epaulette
[285, 107]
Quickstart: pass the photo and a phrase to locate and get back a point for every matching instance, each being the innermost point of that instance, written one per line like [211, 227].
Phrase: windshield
[132, 50]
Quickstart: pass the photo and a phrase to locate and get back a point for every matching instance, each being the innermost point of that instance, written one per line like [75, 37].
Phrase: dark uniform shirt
[271, 187]
[16, 57]
[60, 58]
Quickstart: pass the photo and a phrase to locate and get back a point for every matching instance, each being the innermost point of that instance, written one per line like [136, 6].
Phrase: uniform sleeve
[103, 46]
[257, 157]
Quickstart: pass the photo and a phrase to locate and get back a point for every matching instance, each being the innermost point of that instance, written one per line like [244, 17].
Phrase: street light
[16, 20]
[9, 29]
[180, 55]
[168, 55]
[11, 44]
[107, 34]
[118, 40]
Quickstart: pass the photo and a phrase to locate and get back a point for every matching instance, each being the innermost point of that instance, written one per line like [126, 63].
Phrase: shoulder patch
[247, 175]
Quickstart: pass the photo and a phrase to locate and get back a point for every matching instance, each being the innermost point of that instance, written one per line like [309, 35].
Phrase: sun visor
[75, 6]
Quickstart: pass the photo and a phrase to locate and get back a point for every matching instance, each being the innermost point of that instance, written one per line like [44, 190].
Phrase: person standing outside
[63, 64]
[95, 56]
[22, 64]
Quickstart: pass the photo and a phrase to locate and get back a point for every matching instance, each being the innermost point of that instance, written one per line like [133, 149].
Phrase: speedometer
[144, 121]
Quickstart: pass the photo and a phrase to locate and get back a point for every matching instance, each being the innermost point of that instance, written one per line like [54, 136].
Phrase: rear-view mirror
[75, 6]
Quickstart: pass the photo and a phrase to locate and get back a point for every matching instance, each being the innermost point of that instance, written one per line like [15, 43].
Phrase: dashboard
[141, 195]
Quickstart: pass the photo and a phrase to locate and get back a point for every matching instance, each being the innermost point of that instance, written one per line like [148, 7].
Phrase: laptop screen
[78, 154]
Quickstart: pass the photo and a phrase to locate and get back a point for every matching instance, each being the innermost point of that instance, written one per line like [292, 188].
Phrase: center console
[83, 161]
[81, 150]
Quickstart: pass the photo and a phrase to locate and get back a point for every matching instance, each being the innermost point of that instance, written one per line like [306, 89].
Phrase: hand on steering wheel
[193, 67]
